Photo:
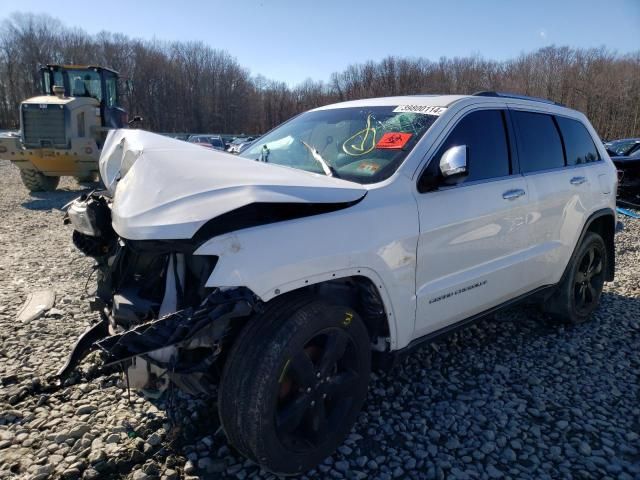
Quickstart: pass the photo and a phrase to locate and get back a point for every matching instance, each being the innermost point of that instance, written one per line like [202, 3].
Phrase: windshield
[623, 147]
[217, 142]
[198, 139]
[85, 83]
[364, 145]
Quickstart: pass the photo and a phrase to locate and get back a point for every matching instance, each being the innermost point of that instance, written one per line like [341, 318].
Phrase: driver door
[471, 226]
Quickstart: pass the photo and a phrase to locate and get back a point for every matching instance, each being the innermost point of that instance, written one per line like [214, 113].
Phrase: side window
[57, 79]
[483, 132]
[111, 94]
[539, 144]
[577, 142]
[46, 82]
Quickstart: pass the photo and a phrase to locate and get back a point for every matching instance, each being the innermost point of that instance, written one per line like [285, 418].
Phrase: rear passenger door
[472, 230]
[560, 191]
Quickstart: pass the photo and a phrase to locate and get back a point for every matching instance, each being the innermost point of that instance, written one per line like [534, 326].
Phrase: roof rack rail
[488, 93]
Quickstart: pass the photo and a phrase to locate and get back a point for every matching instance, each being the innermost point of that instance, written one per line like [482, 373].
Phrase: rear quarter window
[577, 142]
[539, 144]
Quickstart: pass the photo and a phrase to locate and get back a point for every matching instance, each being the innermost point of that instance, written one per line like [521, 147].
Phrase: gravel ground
[514, 397]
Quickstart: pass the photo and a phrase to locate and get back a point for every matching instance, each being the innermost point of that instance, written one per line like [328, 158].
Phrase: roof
[447, 101]
[49, 99]
[422, 100]
[80, 67]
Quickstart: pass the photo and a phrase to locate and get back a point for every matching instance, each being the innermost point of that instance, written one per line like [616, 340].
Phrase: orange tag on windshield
[393, 140]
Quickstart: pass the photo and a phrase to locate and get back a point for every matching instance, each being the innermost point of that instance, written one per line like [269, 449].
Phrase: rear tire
[578, 294]
[37, 182]
[294, 384]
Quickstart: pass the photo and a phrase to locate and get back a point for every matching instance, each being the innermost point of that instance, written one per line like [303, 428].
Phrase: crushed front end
[158, 319]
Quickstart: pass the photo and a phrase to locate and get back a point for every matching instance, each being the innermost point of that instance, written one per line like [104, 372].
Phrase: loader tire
[37, 182]
[89, 178]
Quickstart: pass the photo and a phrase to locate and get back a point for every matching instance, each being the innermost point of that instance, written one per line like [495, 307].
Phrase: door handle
[577, 180]
[513, 194]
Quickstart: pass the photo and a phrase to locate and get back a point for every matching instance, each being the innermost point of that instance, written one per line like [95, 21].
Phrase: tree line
[192, 87]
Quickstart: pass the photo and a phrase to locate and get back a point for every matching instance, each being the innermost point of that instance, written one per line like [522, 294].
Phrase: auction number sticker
[424, 109]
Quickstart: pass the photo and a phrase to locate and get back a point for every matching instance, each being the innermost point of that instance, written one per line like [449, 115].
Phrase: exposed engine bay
[157, 317]
[163, 319]
[159, 320]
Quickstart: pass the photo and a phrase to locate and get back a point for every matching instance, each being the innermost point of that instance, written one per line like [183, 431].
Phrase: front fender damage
[156, 346]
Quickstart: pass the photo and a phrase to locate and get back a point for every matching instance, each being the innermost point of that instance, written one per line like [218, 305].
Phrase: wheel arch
[359, 288]
[602, 222]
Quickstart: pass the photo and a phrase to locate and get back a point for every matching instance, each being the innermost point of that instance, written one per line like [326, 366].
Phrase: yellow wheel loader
[62, 130]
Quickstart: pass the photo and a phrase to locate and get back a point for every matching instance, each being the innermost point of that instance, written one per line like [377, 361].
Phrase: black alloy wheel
[294, 383]
[589, 279]
[577, 295]
[317, 389]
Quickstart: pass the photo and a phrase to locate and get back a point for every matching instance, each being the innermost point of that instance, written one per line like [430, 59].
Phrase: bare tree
[189, 86]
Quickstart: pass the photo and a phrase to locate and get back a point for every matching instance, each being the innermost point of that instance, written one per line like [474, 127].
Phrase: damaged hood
[167, 189]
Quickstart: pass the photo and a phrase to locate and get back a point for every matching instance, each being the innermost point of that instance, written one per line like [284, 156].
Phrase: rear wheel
[579, 292]
[294, 385]
[37, 182]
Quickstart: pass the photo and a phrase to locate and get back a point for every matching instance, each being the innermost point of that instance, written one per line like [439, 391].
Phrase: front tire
[294, 384]
[580, 289]
[37, 182]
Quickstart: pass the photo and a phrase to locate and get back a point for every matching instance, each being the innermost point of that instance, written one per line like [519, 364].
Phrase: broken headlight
[91, 219]
[91, 216]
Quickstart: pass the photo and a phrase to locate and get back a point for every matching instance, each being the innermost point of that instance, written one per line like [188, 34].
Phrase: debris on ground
[515, 396]
[36, 304]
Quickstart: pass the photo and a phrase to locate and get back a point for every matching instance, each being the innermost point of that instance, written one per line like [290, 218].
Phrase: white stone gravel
[516, 396]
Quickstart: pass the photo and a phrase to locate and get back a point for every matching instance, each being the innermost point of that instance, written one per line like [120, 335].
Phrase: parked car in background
[208, 141]
[236, 145]
[623, 147]
[243, 146]
[625, 154]
[177, 136]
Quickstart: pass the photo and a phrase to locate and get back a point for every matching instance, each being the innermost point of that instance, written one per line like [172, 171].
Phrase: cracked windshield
[364, 145]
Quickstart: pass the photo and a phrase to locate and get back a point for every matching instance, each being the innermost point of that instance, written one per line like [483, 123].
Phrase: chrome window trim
[566, 167]
[474, 183]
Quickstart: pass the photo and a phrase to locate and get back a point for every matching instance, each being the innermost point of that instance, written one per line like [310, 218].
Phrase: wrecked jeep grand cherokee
[357, 229]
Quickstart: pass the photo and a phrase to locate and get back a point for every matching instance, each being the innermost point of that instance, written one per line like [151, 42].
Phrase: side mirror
[454, 162]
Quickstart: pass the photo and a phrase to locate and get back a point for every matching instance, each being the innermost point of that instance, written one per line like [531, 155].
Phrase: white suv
[357, 229]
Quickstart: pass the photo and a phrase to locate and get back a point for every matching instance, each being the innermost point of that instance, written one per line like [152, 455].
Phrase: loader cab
[90, 82]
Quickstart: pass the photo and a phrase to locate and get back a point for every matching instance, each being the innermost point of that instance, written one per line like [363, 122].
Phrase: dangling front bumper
[161, 342]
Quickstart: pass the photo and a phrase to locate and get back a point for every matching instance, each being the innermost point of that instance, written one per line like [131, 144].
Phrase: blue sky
[292, 40]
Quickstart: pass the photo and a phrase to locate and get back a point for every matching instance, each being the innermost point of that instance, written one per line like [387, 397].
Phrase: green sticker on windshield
[361, 142]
